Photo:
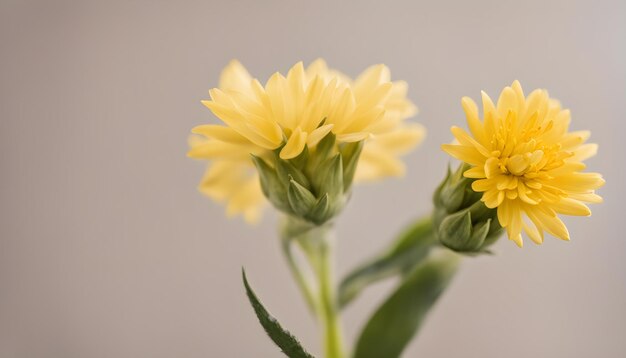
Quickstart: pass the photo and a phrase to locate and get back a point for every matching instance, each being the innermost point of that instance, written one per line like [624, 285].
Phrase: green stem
[328, 303]
[316, 244]
[303, 281]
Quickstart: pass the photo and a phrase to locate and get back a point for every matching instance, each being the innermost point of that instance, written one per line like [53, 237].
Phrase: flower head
[526, 162]
[289, 116]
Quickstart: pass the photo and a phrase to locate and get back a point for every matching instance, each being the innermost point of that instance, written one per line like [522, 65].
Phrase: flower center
[521, 168]
[520, 164]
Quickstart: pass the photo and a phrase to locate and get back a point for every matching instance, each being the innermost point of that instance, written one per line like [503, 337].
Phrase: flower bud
[314, 186]
[463, 223]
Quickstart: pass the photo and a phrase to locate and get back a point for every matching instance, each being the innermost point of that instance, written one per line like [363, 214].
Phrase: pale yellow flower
[298, 110]
[527, 163]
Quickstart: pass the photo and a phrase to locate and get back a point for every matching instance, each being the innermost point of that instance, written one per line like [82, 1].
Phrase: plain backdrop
[108, 251]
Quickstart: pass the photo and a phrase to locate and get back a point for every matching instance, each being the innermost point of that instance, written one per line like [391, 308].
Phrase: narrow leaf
[399, 318]
[404, 254]
[283, 339]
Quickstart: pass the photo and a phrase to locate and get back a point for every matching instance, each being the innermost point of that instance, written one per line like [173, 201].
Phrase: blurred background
[107, 249]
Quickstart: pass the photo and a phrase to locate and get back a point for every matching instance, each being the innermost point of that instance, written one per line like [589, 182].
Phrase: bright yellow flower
[298, 110]
[527, 163]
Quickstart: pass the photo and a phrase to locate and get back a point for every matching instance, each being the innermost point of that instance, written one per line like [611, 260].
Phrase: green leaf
[398, 319]
[404, 254]
[283, 339]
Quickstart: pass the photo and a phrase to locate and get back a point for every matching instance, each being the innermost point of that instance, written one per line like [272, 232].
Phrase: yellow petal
[584, 152]
[571, 207]
[553, 225]
[233, 119]
[507, 102]
[220, 150]
[488, 108]
[374, 164]
[294, 145]
[370, 78]
[235, 77]
[531, 230]
[519, 94]
[504, 213]
[317, 68]
[482, 185]
[403, 139]
[475, 172]
[493, 198]
[318, 135]
[517, 239]
[464, 153]
[467, 140]
[225, 134]
[474, 123]
[579, 182]
[586, 197]
[354, 137]
[342, 110]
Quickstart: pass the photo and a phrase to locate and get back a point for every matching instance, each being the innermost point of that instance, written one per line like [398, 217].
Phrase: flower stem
[316, 244]
[301, 279]
[327, 301]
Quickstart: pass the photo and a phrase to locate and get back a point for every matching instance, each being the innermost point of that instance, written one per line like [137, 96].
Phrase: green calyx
[463, 223]
[315, 185]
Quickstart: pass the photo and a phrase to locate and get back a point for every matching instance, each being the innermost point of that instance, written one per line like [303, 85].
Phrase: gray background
[107, 250]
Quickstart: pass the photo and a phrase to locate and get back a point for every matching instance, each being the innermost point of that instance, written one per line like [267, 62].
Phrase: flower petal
[294, 145]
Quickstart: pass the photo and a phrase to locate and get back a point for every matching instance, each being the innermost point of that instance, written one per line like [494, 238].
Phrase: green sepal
[321, 211]
[324, 148]
[401, 257]
[288, 344]
[300, 199]
[273, 188]
[437, 193]
[481, 212]
[464, 223]
[455, 190]
[350, 153]
[331, 174]
[266, 174]
[301, 160]
[287, 171]
[455, 230]
[397, 320]
[479, 233]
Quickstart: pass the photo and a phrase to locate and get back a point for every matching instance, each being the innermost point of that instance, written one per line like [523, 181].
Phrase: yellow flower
[295, 111]
[527, 163]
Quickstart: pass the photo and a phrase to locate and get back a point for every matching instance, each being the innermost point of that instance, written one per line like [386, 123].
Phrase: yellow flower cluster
[295, 111]
[526, 162]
